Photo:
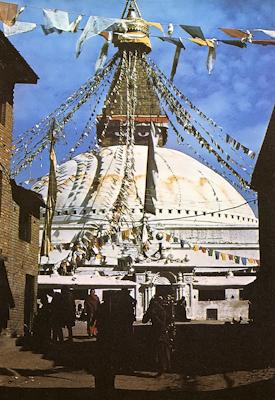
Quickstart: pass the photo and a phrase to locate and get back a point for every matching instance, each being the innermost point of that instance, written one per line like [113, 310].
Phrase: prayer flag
[211, 58]
[102, 56]
[237, 43]
[94, 26]
[237, 259]
[237, 33]
[155, 24]
[268, 32]
[8, 13]
[58, 21]
[18, 27]
[194, 31]
[244, 260]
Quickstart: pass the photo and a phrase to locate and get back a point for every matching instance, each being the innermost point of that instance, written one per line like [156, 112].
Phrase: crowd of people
[111, 321]
[53, 316]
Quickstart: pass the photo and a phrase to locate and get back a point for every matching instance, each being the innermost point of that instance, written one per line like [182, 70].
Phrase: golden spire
[134, 34]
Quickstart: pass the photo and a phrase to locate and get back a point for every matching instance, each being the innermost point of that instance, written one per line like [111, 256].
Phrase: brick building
[263, 182]
[19, 207]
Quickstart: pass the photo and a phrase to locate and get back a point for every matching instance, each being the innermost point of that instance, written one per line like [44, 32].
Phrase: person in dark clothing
[181, 310]
[6, 298]
[91, 305]
[42, 323]
[57, 317]
[156, 313]
[68, 305]
[123, 317]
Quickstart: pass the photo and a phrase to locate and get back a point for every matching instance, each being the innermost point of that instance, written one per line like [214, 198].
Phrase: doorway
[165, 290]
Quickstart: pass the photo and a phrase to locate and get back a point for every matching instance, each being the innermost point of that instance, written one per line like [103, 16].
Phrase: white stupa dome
[187, 191]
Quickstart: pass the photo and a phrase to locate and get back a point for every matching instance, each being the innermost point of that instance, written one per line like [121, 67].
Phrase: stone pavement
[57, 374]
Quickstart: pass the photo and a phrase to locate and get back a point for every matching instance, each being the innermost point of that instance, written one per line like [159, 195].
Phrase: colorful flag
[236, 33]
[8, 13]
[155, 24]
[196, 247]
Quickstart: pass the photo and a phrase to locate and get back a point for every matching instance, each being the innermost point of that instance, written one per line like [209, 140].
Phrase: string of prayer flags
[158, 75]
[18, 27]
[58, 21]
[237, 145]
[194, 31]
[221, 255]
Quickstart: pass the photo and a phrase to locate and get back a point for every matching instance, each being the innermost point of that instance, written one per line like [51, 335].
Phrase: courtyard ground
[64, 371]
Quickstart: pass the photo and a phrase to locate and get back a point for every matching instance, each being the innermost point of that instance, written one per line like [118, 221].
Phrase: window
[215, 294]
[2, 110]
[212, 314]
[170, 211]
[24, 225]
[243, 294]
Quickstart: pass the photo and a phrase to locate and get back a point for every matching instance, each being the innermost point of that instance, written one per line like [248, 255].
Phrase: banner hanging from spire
[51, 197]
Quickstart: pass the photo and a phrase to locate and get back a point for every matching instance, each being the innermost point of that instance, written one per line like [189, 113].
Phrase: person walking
[91, 305]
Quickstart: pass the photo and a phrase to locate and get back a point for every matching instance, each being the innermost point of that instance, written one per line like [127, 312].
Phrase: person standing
[91, 305]
[156, 313]
[57, 317]
[68, 305]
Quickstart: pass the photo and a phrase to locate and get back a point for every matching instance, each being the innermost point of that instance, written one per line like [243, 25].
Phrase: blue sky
[239, 94]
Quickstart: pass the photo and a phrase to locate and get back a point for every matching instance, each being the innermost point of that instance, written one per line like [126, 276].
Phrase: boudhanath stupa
[136, 211]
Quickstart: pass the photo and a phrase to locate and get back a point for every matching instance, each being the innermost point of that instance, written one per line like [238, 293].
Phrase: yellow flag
[155, 24]
[201, 42]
